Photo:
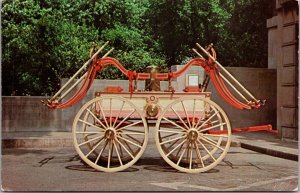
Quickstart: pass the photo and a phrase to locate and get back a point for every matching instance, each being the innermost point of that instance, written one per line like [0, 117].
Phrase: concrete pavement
[60, 169]
[47, 161]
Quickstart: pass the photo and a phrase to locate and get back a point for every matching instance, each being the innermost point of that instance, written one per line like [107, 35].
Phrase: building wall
[283, 48]
[28, 113]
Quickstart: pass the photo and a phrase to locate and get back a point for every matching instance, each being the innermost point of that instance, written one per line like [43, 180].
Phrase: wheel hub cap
[193, 134]
[110, 133]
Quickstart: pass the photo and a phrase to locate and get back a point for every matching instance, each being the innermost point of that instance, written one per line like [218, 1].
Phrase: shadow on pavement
[87, 168]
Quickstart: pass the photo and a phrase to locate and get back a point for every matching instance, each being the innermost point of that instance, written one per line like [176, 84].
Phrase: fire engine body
[192, 132]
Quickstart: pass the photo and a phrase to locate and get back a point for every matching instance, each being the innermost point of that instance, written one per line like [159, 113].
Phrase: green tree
[180, 24]
[40, 47]
[248, 45]
[44, 41]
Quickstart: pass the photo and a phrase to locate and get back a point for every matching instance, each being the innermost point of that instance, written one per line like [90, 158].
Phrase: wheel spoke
[179, 150]
[175, 148]
[211, 143]
[198, 154]
[180, 118]
[109, 153]
[194, 106]
[118, 114]
[206, 150]
[125, 118]
[181, 156]
[129, 141]
[169, 135]
[121, 151]
[188, 151]
[119, 158]
[173, 123]
[87, 123]
[89, 140]
[202, 130]
[133, 138]
[97, 145]
[215, 121]
[103, 115]
[173, 143]
[135, 123]
[88, 135]
[130, 149]
[88, 132]
[110, 121]
[199, 120]
[124, 148]
[141, 132]
[95, 117]
[208, 119]
[191, 157]
[172, 139]
[100, 153]
[187, 117]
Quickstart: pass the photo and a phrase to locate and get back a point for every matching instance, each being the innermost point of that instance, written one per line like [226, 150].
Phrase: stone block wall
[26, 113]
[283, 55]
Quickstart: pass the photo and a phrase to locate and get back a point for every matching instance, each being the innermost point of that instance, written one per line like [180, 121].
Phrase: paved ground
[60, 169]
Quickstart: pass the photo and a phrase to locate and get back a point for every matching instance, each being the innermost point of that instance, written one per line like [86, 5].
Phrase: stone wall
[283, 55]
[28, 114]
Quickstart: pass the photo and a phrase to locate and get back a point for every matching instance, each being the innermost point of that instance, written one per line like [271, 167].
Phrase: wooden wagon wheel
[187, 134]
[206, 116]
[107, 133]
[91, 144]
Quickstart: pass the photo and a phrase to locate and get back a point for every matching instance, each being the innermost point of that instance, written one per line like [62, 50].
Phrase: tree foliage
[44, 41]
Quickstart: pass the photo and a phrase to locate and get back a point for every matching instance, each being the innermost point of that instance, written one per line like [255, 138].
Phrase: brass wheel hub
[110, 133]
[152, 110]
[193, 134]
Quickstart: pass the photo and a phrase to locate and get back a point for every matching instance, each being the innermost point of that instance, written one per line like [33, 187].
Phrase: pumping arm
[220, 77]
[94, 65]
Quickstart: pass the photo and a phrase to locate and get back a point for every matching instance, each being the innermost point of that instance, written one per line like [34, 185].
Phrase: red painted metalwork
[143, 76]
[192, 89]
[194, 62]
[209, 66]
[80, 92]
[162, 76]
[229, 96]
[114, 89]
[246, 129]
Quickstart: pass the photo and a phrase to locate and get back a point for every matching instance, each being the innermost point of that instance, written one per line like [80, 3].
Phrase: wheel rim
[188, 134]
[110, 134]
